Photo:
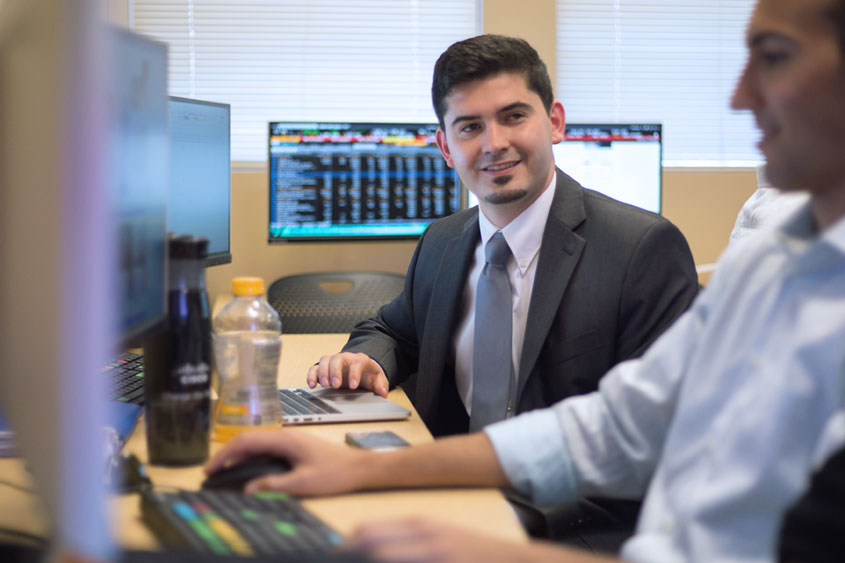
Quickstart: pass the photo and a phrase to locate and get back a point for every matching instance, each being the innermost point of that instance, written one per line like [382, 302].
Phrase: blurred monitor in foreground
[82, 218]
[138, 180]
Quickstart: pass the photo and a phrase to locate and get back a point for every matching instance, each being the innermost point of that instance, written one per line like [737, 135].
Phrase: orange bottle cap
[248, 286]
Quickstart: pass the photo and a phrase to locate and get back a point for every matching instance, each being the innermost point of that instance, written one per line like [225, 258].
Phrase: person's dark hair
[837, 14]
[484, 56]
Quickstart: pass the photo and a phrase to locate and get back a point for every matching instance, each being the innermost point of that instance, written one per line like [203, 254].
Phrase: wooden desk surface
[482, 510]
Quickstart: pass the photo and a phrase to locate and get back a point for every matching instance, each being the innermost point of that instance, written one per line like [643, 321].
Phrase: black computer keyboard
[232, 523]
[126, 378]
[297, 401]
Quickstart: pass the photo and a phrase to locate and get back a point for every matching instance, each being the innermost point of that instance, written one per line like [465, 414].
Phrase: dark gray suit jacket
[610, 278]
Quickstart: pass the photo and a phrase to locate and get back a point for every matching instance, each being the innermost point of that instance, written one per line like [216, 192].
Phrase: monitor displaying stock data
[356, 181]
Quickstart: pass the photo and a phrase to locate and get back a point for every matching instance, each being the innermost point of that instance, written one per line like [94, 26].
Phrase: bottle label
[190, 382]
[248, 363]
[190, 375]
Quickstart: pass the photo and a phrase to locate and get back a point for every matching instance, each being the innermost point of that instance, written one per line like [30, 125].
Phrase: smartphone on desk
[384, 440]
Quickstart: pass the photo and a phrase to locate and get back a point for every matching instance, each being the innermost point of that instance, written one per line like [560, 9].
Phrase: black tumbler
[177, 362]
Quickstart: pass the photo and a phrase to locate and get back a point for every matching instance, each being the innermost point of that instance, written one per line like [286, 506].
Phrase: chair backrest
[326, 302]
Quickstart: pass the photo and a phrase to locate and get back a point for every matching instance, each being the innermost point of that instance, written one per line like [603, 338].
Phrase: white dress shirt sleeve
[607, 442]
[534, 456]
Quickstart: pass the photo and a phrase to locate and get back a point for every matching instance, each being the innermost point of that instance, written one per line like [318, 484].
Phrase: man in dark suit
[608, 278]
[594, 281]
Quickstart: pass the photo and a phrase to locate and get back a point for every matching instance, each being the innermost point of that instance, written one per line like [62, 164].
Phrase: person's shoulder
[740, 264]
[453, 224]
[602, 206]
[598, 207]
[609, 217]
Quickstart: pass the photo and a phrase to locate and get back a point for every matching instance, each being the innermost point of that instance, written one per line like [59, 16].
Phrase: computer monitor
[356, 181]
[623, 161]
[67, 261]
[200, 174]
[138, 180]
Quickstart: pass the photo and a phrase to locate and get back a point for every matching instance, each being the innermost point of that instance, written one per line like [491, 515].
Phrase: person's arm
[390, 338]
[381, 351]
[322, 468]
[424, 539]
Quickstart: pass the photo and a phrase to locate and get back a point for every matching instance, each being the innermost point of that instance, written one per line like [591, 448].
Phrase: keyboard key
[299, 402]
[125, 378]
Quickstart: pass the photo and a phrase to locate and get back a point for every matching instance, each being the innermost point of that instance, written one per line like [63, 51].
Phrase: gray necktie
[492, 370]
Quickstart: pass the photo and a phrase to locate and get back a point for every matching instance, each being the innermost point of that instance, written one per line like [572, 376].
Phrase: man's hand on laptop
[349, 370]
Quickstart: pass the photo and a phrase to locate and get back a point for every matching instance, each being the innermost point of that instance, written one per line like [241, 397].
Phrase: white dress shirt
[767, 208]
[523, 235]
[724, 417]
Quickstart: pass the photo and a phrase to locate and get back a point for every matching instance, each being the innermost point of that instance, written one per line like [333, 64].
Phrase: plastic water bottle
[177, 362]
[247, 349]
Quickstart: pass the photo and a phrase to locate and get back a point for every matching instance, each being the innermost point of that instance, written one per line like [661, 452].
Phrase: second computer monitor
[354, 181]
[623, 161]
[200, 174]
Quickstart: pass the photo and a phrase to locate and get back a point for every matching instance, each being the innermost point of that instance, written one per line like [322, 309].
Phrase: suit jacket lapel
[445, 303]
[560, 252]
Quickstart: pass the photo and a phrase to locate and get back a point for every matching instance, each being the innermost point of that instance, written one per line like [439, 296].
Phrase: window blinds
[669, 61]
[315, 60]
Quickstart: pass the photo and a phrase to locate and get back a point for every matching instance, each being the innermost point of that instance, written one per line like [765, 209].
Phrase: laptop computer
[301, 405]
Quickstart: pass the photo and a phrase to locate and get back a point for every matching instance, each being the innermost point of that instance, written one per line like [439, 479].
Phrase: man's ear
[440, 137]
[558, 118]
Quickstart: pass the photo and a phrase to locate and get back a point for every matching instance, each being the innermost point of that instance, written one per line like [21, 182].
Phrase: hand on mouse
[314, 462]
[349, 370]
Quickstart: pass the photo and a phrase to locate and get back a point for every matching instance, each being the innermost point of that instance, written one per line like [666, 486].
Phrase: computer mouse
[236, 476]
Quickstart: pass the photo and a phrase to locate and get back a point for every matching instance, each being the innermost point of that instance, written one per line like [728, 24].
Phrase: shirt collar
[800, 231]
[835, 235]
[525, 233]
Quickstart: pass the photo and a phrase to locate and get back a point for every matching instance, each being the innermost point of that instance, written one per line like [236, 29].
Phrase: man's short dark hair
[837, 14]
[484, 56]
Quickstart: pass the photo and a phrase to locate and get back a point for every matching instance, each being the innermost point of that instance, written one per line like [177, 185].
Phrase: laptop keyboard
[299, 401]
[126, 378]
[233, 523]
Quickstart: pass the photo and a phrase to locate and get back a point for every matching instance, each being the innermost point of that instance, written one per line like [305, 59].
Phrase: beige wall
[702, 202]
[534, 21]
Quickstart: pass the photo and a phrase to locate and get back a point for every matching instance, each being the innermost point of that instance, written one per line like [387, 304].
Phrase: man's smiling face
[794, 84]
[499, 137]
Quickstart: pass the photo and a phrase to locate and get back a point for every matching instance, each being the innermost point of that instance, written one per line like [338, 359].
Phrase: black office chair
[326, 302]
